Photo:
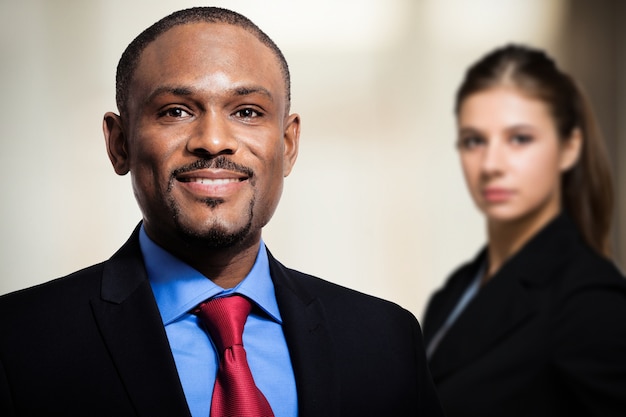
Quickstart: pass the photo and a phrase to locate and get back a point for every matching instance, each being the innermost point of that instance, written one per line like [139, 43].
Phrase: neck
[507, 238]
[226, 267]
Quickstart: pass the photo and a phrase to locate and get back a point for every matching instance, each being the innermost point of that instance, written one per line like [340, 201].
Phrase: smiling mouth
[211, 181]
[213, 171]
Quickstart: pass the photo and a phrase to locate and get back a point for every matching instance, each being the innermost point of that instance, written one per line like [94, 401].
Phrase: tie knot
[224, 318]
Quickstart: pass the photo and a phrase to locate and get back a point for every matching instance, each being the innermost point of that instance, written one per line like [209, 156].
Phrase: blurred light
[482, 22]
[329, 24]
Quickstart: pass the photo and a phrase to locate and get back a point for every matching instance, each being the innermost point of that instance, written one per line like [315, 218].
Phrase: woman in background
[535, 325]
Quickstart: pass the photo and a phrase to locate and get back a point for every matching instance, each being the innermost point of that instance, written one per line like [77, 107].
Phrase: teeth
[219, 181]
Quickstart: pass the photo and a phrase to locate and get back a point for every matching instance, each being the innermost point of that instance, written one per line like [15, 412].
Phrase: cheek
[270, 183]
[154, 150]
[538, 169]
[150, 166]
[267, 157]
[273, 180]
[539, 177]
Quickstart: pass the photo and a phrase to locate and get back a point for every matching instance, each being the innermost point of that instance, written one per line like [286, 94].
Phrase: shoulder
[587, 265]
[559, 256]
[74, 281]
[576, 268]
[54, 297]
[77, 287]
[587, 304]
[581, 293]
[338, 301]
[341, 296]
[587, 284]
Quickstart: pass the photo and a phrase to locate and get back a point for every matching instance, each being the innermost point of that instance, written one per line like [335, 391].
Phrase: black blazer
[546, 336]
[93, 344]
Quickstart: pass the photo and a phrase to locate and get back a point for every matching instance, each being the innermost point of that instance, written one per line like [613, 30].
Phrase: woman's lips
[497, 195]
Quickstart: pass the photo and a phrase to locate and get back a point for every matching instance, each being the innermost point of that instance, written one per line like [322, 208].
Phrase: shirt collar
[178, 287]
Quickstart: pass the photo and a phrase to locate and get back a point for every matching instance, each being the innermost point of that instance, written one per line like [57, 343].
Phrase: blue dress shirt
[178, 288]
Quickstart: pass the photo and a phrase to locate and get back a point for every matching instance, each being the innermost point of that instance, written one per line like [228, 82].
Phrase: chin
[213, 229]
[502, 215]
[215, 237]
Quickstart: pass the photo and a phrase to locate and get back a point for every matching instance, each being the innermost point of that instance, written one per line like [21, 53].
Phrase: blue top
[178, 288]
[468, 295]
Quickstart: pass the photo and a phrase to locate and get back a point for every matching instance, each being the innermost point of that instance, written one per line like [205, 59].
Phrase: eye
[470, 142]
[247, 113]
[175, 112]
[521, 139]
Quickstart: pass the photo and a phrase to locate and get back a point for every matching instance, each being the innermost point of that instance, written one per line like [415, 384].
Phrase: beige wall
[376, 201]
[594, 47]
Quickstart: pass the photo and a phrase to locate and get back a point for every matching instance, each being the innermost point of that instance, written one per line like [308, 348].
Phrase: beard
[216, 235]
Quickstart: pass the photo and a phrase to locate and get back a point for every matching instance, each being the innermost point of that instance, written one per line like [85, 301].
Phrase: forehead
[199, 54]
[503, 105]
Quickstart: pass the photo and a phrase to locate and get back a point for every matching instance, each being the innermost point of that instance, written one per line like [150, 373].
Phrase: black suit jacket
[546, 336]
[93, 344]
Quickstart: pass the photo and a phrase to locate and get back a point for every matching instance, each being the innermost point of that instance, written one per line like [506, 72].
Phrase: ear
[292, 143]
[571, 150]
[115, 140]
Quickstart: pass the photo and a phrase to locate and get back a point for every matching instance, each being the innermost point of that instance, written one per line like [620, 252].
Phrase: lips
[218, 181]
[211, 183]
[497, 195]
[212, 169]
[211, 176]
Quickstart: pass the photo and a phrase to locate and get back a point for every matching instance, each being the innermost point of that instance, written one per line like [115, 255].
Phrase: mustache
[221, 162]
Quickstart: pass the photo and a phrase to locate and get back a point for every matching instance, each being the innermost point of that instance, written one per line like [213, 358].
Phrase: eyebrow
[468, 129]
[186, 91]
[245, 91]
[167, 89]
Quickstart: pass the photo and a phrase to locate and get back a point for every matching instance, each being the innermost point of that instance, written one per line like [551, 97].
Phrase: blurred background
[377, 200]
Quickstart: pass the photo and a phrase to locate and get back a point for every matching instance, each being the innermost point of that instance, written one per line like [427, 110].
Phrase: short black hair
[130, 58]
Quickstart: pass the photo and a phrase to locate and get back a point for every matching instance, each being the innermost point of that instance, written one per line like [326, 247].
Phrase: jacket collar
[130, 324]
[505, 302]
[310, 344]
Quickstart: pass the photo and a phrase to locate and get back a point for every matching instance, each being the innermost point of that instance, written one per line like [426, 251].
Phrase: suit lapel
[131, 327]
[512, 296]
[310, 344]
[498, 309]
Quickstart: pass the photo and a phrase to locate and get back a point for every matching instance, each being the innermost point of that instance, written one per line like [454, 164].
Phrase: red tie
[235, 393]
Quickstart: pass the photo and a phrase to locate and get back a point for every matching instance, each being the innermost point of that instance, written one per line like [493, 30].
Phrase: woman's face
[511, 155]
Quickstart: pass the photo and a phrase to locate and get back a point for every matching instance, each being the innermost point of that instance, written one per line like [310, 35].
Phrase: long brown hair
[587, 188]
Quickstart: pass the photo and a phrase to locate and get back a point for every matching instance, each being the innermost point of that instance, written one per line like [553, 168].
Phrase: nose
[212, 136]
[494, 157]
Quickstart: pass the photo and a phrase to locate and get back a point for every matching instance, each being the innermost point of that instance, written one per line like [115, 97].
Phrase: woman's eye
[470, 142]
[521, 139]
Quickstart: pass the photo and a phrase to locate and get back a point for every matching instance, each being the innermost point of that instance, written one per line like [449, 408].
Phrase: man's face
[208, 139]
